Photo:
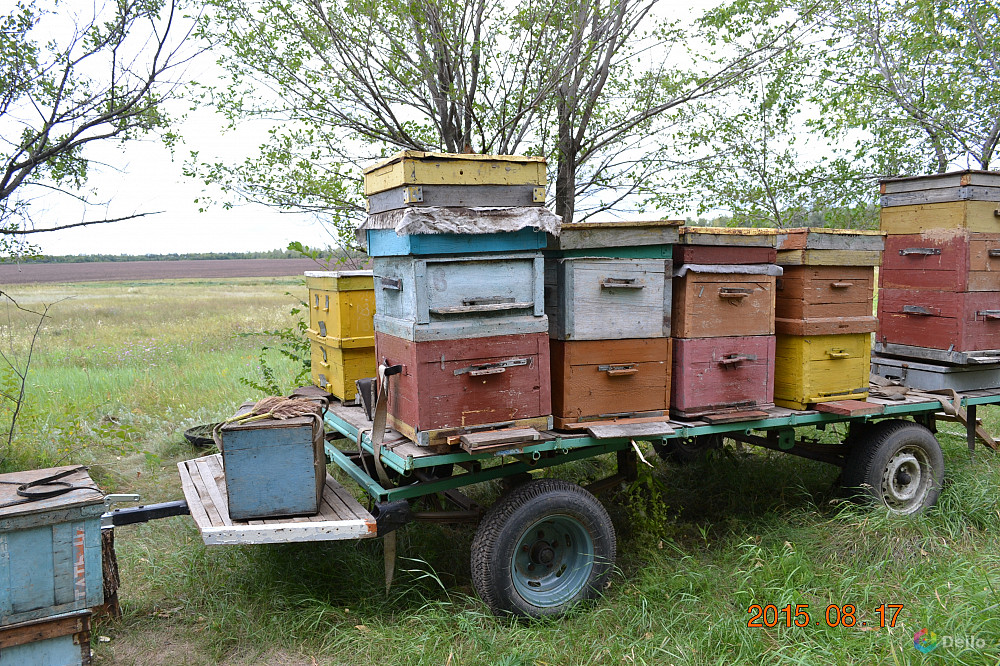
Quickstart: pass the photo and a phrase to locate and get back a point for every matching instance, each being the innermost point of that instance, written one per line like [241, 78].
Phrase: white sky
[145, 179]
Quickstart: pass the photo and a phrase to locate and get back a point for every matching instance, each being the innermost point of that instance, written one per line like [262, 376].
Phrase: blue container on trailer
[50, 549]
[387, 243]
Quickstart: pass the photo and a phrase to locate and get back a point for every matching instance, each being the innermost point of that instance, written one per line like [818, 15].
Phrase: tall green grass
[123, 369]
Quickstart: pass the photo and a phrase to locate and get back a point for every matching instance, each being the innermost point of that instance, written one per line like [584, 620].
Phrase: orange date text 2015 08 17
[770, 615]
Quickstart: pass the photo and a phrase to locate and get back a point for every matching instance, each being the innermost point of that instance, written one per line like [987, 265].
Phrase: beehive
[412, 167]
[820, 368]
[335, 368]
[342, 306]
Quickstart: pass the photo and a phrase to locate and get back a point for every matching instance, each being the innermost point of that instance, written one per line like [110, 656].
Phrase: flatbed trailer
[546, 544]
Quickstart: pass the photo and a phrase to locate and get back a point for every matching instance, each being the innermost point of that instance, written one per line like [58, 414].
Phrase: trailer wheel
[897, 463]
[541, 548]
[686, 450]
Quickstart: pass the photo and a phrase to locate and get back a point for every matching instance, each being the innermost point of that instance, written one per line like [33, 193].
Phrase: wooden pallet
[204, 484]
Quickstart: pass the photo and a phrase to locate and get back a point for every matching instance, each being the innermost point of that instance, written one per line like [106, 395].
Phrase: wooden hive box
[60, 640]
[814, 246]
[413, 167]
[974, 216]
[712, 375]
[273, 467]
[602, 299]
[334, 368]
[968, 185]
[710, 304]
[50, 549]
[821, 368]
[724, 254]
[942, 260]
[387, 243]
[821, 300]
[448, 385]
[448, 298]
[609, 379]
[342, 307]
[463, 196]
[630, 240]
[736, 237]
[965, 321]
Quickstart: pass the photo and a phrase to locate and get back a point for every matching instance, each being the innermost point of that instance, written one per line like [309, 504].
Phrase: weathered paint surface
[592, 378]
[977, 216]
[722, 305]
[335, 369]
[724, 254]
[965, 321]
[715, 374]
[942, 260]
[607, 299]
[820, 368]
[456, 383]
[421, 168]
[824, 292]
[387, 243]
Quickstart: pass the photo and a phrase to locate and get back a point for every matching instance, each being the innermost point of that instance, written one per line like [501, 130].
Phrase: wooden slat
[203, 496]
[352, 504]
[476, 440]
[197, 508]
[849, 407]
[630, 430]
[215, 482]
[40, 630]
[733, 417]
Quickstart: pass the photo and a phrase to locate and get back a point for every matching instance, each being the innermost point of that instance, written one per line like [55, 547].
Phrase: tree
[919, 78]
[586, 83]
[72, 77]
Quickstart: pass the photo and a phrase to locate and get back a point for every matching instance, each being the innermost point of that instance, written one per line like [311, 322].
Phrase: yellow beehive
[820, 368]
[335, 368]
[414, 167]
[977, 216]
[342, 307]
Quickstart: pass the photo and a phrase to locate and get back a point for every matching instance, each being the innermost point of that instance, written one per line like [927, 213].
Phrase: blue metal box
[451, 298]
[272, 467]
[386, 243]
[50, 549]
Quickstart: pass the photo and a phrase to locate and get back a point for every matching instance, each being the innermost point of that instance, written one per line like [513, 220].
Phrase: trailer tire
[687, 450]
[896, 463]
[542, 548]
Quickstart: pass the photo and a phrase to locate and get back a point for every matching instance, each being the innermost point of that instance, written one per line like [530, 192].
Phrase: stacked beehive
[456, 246]
[608, 295]
[823, 315]
[341, 334]
[939, 298]
[723, 320]
[51, 567]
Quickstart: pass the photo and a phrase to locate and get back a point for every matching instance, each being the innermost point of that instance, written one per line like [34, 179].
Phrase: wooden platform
[204, 484]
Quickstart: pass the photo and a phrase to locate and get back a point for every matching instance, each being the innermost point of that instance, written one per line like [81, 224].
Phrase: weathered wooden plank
[711, 375]
[595, 378]
[732, 236]
[594, 235]
[722, 305]
[210, 487]
[632, 430]
[941, 195]
[413, 167]
[825, 325]
[734, 417]
[447, 386]
[818, 238]
[195, 502]
[942, 260]
[724, 254]
[979, 216]
[964, 178]
[966, 322]
[35, 631]
[581, 426]
[829, 258]
[493, 196]
[475, 441]
[607, 299]
[850, 408]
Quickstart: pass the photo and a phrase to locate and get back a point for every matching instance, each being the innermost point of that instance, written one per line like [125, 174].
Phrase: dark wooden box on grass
[455, 384]
[966, 321]
[273, 467]
[50, 549]
[609, 378]
[722, 374]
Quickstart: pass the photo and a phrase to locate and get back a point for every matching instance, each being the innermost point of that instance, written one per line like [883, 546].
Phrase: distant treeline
[186, 256]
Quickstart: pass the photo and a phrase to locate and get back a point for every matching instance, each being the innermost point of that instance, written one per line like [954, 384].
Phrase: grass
[123, 368]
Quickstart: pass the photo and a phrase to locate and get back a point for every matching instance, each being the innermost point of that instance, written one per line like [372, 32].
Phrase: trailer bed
[204, 484]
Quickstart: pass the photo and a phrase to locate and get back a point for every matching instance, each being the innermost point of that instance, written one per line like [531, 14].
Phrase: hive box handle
[919, 250]
[620, 283]
[619, 370]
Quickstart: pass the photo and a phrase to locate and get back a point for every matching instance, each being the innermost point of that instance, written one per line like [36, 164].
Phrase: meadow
[120, 370]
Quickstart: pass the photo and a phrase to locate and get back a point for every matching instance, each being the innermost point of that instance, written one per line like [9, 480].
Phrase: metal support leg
[970, 427]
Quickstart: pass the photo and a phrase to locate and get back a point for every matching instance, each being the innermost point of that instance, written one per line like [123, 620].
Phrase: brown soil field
[114, 271]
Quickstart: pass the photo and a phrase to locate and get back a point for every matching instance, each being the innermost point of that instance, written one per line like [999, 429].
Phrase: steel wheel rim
[906, 480]
[552, 561]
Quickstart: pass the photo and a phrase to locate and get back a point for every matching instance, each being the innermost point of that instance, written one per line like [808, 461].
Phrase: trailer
[548, 543]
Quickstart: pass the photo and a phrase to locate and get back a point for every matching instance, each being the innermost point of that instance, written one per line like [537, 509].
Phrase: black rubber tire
[506, 523]
[897, 464]
[687, 450]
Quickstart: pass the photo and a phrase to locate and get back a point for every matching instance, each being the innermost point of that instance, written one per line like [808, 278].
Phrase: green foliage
[290, 343]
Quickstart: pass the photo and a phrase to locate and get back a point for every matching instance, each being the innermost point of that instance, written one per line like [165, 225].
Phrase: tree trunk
[566, 169]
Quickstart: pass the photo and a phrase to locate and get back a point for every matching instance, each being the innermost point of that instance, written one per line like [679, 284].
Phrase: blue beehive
[273, 467]
[50, 549]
